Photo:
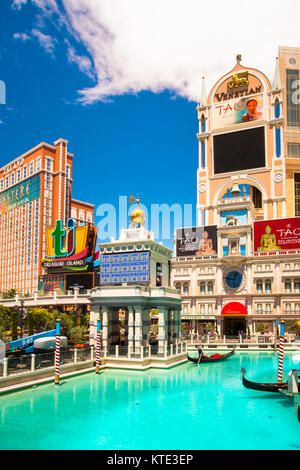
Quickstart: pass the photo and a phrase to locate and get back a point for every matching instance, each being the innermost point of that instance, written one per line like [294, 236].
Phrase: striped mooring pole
[281, 349]
[98, 347]
[275, 336]
[57, 352]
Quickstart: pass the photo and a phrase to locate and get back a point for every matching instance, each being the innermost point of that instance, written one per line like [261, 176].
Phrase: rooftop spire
[277, 81]
[203, 99]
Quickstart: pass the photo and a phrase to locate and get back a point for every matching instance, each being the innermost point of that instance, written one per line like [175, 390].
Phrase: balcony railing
[235, 339]
[143, 352]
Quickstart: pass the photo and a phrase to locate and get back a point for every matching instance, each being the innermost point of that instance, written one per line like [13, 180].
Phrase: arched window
[210, 288]
[277, 109]
[256, 197]
[268, 287]
[259, 288]
[288, 308]
[185, 288]
[297, 286]
[203, 123]
[287, 286]
[202, 289]
[259, 308]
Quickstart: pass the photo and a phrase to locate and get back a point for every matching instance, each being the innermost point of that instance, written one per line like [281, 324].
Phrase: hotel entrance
[234, 318]
[233, 326]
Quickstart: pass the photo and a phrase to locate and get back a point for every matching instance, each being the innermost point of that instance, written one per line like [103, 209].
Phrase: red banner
[276, 235]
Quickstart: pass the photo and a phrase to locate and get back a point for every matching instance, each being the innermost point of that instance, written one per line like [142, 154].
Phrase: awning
[234, 309]
[197, 317]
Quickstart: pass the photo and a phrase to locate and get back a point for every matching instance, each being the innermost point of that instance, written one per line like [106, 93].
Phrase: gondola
[212, 358]
[263, 387]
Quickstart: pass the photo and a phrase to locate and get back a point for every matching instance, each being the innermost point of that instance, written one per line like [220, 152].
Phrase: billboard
[127, 268]
[237, 111]
[196, 241]
[239, 150]
[47, 284]
[20, 194]
[276, 235]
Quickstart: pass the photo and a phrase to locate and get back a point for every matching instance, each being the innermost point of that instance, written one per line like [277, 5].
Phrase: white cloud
[46, 41]
[17, 4]
[22, 36]
[154, 45]
[84, 63]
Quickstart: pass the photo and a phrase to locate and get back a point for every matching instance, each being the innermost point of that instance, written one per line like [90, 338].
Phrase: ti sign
[70, 247]
[59, 233]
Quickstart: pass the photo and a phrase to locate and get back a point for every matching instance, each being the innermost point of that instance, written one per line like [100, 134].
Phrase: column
[93, 324]
[138, 334]
[146, 326]
[130, 328]
[172, 325]
[177, 325]
[104, 326]
[126, 327]
[162, 329]
[219, 325]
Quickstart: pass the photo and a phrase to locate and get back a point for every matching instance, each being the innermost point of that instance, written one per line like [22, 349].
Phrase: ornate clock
[234, 278]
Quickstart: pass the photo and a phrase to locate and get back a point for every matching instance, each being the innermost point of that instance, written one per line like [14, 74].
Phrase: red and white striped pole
[57, 352]
[281, 350]
[98, 348]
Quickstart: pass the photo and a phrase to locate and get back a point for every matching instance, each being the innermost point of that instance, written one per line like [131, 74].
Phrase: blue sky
[121, 81]
[143, 143]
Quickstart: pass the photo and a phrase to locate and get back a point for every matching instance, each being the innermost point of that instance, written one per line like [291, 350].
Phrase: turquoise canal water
[188, 407]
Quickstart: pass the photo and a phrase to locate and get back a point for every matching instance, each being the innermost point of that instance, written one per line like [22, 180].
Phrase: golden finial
[137, 216]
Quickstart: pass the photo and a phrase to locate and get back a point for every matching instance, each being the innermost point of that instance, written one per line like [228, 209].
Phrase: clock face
[233, 279]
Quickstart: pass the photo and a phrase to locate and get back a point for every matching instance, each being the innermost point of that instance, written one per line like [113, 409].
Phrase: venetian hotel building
[246, 269]
[35, 191]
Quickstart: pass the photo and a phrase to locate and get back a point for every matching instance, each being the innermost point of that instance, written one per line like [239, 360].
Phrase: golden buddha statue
[268, 241]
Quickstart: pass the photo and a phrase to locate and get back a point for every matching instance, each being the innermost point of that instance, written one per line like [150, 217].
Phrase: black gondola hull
[263, 387]
[205, 359]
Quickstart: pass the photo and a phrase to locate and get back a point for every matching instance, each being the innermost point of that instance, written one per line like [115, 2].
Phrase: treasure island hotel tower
[240, 267]
[35, 191]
